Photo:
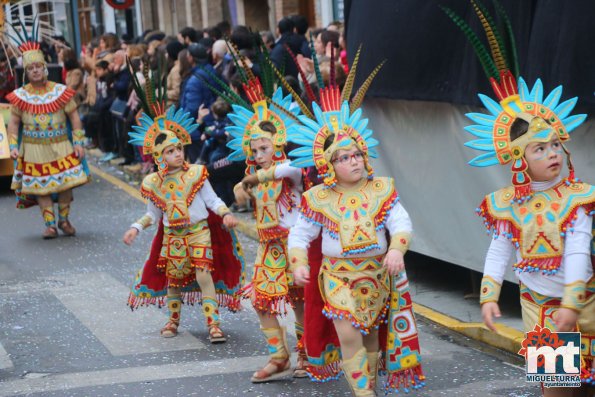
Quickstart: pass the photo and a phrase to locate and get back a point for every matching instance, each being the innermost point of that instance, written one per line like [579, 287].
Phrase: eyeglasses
[346, 158]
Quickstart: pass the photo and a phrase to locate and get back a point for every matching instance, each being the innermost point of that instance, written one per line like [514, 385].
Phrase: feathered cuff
[223, 210]
[298, 257]
[574, 295]
[78, 137]
[12, 143]
[400, 242]
[490, 290]
[266, 175]
[142, 223]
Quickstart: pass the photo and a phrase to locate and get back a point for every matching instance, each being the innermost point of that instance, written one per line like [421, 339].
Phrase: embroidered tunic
[46, 162]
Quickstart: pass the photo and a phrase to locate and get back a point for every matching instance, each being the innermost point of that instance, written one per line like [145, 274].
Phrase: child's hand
[202, 113]
[301, 275]
[394, 262]
[230, 221]
[203, 137]
[249, 181]
[565, 319]
[489, 310]
[130, 235]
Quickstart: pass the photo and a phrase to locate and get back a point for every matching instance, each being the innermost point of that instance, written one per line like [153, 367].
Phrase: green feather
[316, 66]
[226, 90]
[482, 53]
[138, 89]
[513, 60]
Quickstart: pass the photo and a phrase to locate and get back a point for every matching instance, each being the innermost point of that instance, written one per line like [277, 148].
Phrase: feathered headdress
[334, 117]
[266, 104]
[158, 128]
[545, 117]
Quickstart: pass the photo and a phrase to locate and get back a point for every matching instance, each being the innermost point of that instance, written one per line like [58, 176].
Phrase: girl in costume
[46, 140]
[190, 247]
[362, 278]
[544, 219]
[259, 137]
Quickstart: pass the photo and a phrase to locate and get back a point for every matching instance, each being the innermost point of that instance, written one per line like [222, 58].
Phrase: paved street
[65, 329]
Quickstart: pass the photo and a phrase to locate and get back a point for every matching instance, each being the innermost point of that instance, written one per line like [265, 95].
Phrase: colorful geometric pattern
[312, 135]
[276, 344]
[245, 121]
[174, 193]
[537, 227]
[402, 355]
[354, 216]
[489, 290]
[181, 123]
[51, 177]
[50, 99]
[210, 309]
[357, 290]
[493, 129]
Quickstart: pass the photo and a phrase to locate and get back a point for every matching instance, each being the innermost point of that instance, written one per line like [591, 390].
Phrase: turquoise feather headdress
[546, 118]
[334, 117]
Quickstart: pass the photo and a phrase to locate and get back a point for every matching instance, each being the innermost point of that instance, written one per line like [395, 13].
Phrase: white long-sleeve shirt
[304, 232]
[576, 261]
[205, 198]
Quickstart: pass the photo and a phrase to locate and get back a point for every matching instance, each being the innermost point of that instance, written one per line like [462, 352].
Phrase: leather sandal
[67, 228]
[170, 330]
[50, 232]
[273, 370]
[300, 369]
[216, 335]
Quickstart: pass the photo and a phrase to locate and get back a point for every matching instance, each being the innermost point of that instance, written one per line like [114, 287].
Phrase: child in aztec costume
[46, 139]
[365, 233]
[193, 258]
[259, 137]
[545, 219]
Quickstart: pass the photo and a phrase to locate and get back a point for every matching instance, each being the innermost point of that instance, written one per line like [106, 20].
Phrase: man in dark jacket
[195, 92]
[279, 55]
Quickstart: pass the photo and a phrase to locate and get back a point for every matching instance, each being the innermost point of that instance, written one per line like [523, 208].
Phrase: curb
[507, 338]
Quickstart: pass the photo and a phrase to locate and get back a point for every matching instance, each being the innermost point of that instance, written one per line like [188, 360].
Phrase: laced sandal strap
[170, 329]
[278, 367]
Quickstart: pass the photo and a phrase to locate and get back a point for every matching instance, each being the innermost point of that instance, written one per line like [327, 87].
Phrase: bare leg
[350, 338]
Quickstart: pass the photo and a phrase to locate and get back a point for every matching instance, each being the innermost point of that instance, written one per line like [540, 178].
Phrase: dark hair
[185, 65]
[294, 84]
[224, 27]
[214, 33]
[160, 138]
[329, 35]
[173, 49]
[190, 33]
[102, 64]
[328, 141]
[519, 127]
[242, 37]
[285, 25]
[69, 59]
[267, 126]
[301, 24]
[220, 108]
